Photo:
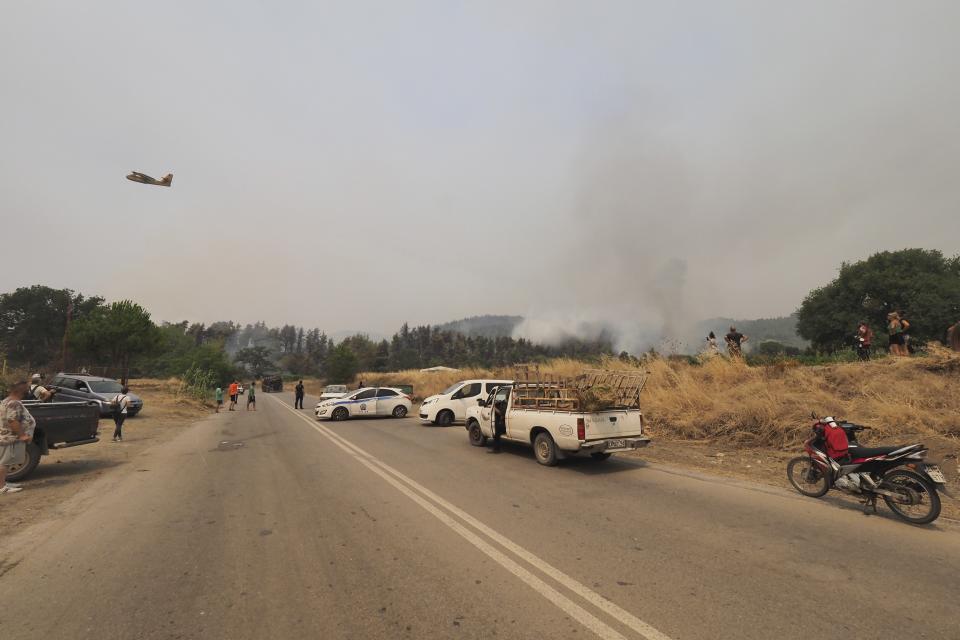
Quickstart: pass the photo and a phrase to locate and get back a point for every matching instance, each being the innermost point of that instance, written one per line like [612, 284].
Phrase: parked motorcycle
[898, 474]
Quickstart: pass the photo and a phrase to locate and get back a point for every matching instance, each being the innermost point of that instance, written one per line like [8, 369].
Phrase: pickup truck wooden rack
[592, 390]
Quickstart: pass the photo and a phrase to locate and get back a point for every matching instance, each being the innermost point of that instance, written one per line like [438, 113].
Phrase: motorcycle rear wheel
[924, 502]
[807, 478]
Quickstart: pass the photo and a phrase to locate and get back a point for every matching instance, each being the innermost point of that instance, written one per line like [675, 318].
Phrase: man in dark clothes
[298, 396]
[499, 423]
[735, 340]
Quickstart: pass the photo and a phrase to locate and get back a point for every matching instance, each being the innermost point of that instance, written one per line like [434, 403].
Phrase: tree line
[59, 329]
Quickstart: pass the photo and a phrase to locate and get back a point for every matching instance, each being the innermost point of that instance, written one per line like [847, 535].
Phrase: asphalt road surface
[271, 525]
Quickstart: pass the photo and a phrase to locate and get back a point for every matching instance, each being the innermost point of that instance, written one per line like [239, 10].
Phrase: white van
[451, 404]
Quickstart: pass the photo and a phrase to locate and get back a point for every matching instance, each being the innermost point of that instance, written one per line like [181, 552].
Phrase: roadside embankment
[64, 472]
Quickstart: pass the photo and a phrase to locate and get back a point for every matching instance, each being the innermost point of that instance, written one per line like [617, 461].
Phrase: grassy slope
[770, 405]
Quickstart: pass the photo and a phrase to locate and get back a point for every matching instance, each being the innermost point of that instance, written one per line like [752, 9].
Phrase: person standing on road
[218, 396]
[119, 404]
[298, 396]
[233, 389]
[499, 423]
[16, 430]
[252, 396]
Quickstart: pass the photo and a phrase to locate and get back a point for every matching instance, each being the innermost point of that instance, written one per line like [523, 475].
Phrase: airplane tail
[167, 180]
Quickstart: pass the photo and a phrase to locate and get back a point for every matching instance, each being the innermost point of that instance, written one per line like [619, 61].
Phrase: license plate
[616, 444]
[936, 475]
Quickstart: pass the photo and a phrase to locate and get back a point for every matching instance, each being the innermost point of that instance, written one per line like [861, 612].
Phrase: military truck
[271, 384]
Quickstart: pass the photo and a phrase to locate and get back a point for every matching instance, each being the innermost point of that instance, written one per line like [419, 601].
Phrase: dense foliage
[922, 284]
[33, 321]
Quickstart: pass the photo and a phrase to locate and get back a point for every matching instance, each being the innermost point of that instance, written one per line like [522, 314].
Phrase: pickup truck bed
[59, 425]
[557, 433]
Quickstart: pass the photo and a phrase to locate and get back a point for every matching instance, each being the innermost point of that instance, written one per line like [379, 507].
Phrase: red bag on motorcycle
[836, 438]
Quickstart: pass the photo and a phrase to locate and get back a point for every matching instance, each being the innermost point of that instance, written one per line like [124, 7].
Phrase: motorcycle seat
[870, 452]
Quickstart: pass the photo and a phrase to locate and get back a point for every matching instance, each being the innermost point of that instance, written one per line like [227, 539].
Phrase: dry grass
[769, 405]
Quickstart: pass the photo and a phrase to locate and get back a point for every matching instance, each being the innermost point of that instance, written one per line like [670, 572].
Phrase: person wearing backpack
[37, 390]
[119, 405]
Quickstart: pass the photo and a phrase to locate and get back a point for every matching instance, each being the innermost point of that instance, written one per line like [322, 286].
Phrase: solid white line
[625, 617]
[566, 605]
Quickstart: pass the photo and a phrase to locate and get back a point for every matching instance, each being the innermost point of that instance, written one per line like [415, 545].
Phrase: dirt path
[65, 472]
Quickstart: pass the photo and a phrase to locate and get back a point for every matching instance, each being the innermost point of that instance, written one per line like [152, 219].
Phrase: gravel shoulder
[66, 472]
[768, 466]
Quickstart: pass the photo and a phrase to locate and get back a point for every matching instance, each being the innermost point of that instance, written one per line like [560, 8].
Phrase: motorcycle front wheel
[917, 500]
[807, 478]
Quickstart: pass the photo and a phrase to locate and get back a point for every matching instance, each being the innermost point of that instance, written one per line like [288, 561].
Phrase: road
[270, 525]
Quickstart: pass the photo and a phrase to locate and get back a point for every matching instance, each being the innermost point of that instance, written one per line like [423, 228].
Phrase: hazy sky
[353, 165]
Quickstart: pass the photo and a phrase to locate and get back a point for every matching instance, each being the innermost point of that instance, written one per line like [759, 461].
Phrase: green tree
[341, 364]
[920, 283]
[33, 321]
[257, 359]
[116, 333]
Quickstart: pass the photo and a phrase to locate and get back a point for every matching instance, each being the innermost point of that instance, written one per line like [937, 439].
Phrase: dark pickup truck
[59, 425]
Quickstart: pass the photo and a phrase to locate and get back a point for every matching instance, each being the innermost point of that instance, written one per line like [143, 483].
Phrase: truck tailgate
[616, 423]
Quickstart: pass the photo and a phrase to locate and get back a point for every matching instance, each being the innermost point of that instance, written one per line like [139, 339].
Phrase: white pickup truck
[555, 433]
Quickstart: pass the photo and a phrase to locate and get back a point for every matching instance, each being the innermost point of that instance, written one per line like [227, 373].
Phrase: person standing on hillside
[895, 328]
[953, 337]
[298, 396]
[252, 396]
[218, 396]
[712, 348]
[233, 390]
[735, 341]
[16, 430]
[864, 339]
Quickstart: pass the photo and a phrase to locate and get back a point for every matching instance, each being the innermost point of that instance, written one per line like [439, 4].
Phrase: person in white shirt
[120, 403]
[37, 390]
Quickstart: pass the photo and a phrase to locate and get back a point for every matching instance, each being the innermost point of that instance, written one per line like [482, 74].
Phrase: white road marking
[588, 620]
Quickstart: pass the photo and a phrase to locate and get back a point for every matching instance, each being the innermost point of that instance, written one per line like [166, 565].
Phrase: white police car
[369, 401]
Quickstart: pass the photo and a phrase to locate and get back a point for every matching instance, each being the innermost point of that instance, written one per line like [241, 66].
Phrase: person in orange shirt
[234, 391]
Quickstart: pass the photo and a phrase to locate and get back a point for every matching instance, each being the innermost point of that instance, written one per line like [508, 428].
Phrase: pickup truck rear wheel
[545, 449]
[477, 438]
[19, 472]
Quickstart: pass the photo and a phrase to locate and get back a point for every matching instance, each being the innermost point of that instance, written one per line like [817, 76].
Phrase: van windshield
[451, 388]
[104, 386]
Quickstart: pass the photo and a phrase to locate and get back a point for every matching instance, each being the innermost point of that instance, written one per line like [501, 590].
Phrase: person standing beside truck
[16, 429]
[499, 423]
[37, 390]
[119, 405]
